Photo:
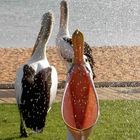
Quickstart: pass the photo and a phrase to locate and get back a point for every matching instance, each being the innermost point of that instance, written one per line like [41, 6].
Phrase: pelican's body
[64, 42]
[36, 83]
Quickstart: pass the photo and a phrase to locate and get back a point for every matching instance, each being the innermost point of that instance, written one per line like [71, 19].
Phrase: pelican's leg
[23, 132]
[69, 135]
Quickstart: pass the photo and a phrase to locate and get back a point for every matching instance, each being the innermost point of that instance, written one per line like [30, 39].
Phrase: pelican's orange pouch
[80, 106]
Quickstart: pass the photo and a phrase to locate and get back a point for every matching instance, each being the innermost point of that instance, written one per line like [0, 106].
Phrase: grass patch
[119, 120]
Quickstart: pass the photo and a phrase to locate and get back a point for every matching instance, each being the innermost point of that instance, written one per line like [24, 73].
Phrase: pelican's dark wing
[68, 40]
[87, 52]
[35, 97]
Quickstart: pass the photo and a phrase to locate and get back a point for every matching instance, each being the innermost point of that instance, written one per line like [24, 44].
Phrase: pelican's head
[64, 13]
[64, 5]
[47, 23]
[45, 31]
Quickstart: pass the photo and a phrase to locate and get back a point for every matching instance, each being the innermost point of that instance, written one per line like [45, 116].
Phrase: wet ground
[110, 93]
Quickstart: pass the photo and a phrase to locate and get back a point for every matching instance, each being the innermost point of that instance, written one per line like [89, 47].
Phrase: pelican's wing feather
[35, 97]
[87, 52]
[68, 40]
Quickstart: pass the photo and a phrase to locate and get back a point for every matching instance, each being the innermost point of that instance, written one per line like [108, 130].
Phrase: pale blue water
[104, 22]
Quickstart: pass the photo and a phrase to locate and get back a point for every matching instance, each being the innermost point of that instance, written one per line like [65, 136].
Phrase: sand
[117, 63]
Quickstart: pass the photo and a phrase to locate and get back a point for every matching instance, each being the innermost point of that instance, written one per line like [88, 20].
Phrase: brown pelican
[64, 41]
[36, 83]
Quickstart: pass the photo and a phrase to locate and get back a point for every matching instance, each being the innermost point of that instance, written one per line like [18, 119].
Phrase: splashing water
[103, 22]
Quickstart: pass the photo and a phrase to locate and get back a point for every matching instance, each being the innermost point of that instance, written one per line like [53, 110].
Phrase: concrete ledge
[7, 86]
[97, 84]
[118, 84]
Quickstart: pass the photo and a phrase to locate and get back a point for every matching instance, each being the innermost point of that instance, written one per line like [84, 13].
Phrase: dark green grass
[119, 120]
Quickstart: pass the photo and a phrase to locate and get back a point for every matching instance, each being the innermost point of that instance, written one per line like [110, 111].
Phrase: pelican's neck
[39, 51]
[64, 19]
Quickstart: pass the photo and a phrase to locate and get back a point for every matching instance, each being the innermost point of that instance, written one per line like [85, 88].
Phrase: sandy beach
[118, 63]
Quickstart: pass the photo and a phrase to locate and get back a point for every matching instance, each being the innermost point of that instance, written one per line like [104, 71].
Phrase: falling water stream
[112, 22]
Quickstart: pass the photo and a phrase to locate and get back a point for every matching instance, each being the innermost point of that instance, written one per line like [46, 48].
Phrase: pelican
[64, 42]
[36, 83]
